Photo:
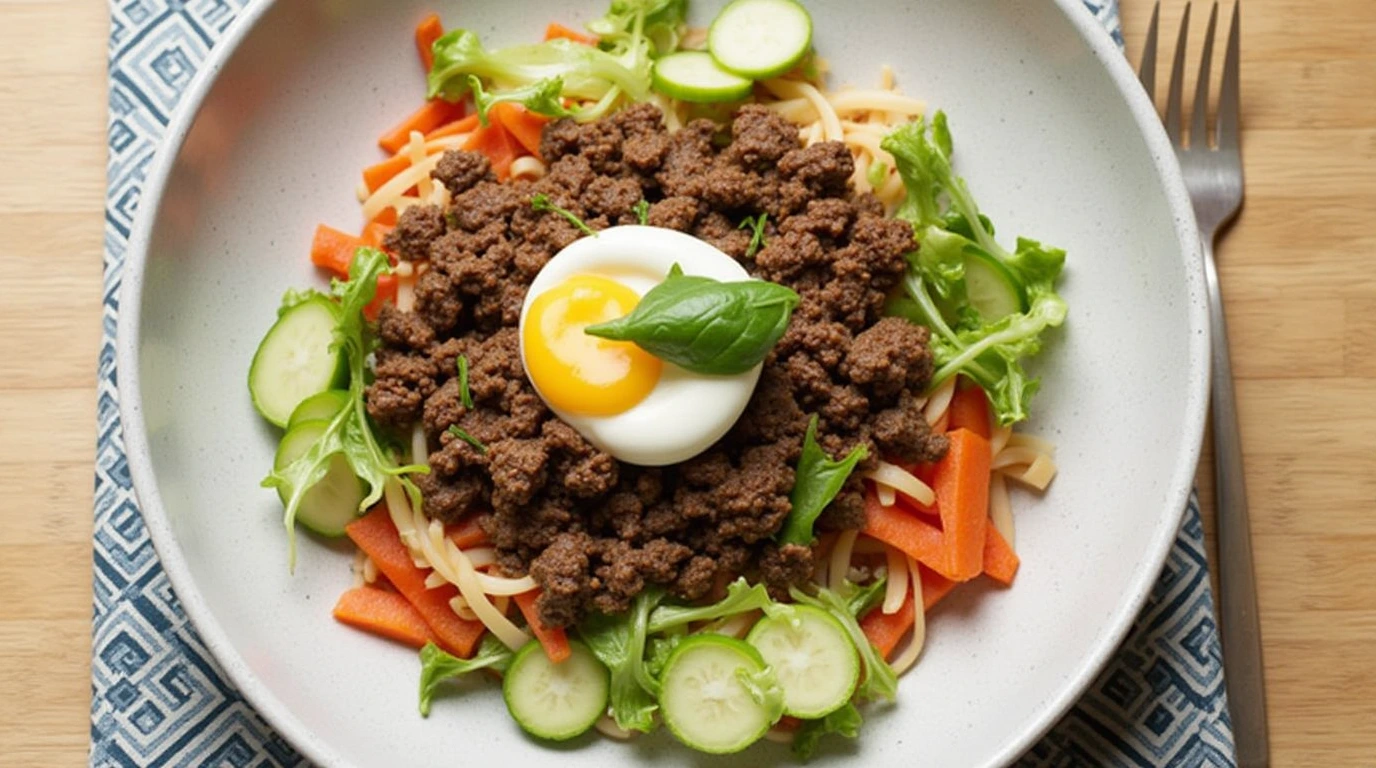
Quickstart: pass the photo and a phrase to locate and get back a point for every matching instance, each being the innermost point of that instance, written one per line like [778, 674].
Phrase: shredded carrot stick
[556, 31]
[497, 145]
[427, 32]
[333, 250]
[961, 483]
[374, 234]
[970, 409]
[387, 216]
[462, 125]
[553, 639]
[378, 538]
[934, 586]
[432, 115]
[523, 125]
[910, 533]
[467, 534]
[885, 630]
[1000, 561]
[376, 175]
[383, 613]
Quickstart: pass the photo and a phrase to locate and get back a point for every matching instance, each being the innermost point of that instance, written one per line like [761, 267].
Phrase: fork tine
[1229, 100]
[1147, 71]
[1199, 120]
[1173, 109]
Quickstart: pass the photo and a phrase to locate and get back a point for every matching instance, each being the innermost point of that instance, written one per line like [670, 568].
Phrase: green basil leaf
[705, 325]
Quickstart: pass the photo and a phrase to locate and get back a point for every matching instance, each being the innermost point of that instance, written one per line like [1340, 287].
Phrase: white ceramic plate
[1057, 142]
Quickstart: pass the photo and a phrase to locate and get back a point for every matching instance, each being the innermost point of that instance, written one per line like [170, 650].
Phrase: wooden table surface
[1297, 272]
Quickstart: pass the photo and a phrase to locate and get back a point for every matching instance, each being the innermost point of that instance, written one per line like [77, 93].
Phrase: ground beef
[592, 531]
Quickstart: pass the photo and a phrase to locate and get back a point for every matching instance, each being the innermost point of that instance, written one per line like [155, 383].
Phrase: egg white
[686, 412]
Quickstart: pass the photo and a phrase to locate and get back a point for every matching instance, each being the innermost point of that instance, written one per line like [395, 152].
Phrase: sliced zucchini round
[297, 359]
[993, 290]
[695, 76]
[817, 664]
[555, 701]
[325, 405]
[760, 39]
[704, 703]
[331, 503]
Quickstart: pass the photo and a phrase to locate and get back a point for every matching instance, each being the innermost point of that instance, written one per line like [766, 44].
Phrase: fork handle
[1241, 627]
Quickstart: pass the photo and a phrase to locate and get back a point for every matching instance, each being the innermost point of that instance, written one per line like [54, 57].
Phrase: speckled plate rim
[310, 745]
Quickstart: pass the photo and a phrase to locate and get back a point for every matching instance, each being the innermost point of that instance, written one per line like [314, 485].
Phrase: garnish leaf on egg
[706, 326]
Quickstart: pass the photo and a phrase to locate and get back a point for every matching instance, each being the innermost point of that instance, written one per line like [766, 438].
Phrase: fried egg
[624, 400]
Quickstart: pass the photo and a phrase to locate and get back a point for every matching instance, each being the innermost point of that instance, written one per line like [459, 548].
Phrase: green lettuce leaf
[349, 432]
[816, 482]
[740, 598]
[845, 722]
[436, 666]
[949, 228]
[541, 97]
[619, 643]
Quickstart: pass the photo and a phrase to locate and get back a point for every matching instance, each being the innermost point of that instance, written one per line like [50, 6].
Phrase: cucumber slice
[295, 360]
[555, 701]
[992, 289]
[331, 503]
[703, 700]
[760, 38]
[695, 76]
[817, 664]
[322, 406]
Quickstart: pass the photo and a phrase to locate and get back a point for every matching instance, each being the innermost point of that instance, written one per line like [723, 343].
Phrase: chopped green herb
[818, 479]
[465, 396]
[755, 223]
[452, 219]
[457, 431]
[642, 211]
[541, 202]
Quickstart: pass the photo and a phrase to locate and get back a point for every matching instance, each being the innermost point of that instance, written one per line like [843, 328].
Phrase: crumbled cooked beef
[416, 228]
[592, 531]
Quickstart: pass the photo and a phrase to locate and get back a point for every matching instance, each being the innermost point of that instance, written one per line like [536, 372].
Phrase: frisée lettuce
[953, 240]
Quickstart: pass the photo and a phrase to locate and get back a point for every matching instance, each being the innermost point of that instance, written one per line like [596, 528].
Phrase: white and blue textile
[159, 698]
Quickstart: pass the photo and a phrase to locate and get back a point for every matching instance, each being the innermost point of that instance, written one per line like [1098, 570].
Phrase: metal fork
[1213, 176]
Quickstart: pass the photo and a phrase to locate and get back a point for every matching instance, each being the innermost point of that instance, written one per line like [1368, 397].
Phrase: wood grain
[1296, 270]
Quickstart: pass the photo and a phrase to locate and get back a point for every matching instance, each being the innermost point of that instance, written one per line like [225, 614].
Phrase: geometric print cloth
[158, 698]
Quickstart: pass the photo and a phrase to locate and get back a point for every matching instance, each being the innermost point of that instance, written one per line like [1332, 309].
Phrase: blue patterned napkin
[159, 698]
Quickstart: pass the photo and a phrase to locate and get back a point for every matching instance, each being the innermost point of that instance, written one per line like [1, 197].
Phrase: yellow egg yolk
[576, 372]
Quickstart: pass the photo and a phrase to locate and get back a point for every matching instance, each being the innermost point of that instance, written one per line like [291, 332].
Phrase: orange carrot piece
[911, 534]
[333, 250]
[378, 538]
[462, 125]
[557, 31]
[525, 127]
[383, 613]
[970, 410]
[388, 216]
[374, 233]
[885, 630]
[432, 115]
[962, 497]
[467, 534]
[497, 145]
[553, 639]
[376, 175]
[1000, 561]
[934, 586]
[427, 32]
